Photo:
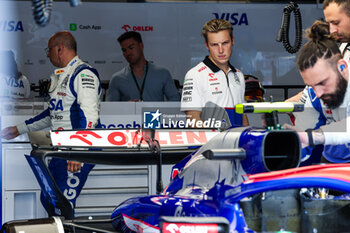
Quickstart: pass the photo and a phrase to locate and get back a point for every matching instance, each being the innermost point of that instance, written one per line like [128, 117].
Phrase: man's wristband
[310, 138]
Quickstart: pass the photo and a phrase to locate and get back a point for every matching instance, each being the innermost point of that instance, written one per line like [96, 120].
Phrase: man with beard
[337, 13]
[140, 80]
[326, 96]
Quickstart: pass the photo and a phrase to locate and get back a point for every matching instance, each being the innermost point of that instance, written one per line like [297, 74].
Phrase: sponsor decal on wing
[130, 138]
[138, 225]
[189, 228]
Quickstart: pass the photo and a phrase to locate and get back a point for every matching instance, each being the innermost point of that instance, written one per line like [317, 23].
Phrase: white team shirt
[74, 100]
[345, 51]
[206, 85]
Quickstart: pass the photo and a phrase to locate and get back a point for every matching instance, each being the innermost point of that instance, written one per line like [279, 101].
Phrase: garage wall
[171, 33]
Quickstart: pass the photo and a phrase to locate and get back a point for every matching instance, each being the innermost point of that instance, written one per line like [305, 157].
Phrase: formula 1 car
[241, 180]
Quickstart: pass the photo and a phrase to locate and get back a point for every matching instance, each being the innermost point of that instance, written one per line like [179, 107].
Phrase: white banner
[130, 138]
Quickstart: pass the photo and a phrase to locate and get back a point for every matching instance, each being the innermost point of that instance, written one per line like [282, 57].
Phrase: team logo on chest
[64, 82]
[216, 91]
[236, 79]
[55, 105]
[212, 77]
[61, 93]
[329, 116]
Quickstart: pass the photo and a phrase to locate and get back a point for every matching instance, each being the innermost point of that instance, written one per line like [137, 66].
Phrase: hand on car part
[9, 132]
[302, 135]
[73, 166]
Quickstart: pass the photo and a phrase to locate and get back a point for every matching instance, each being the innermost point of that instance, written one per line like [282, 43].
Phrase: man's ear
[342, 65]
[206, 45]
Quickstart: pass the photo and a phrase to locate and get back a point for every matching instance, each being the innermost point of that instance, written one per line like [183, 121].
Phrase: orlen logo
[11, 26]
[115, 138]
[81, 135]
[127, 28]
[233, 18]
[127, 138]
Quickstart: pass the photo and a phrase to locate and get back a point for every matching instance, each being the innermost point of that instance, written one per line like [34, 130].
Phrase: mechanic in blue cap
[74, 104]
[327, 94]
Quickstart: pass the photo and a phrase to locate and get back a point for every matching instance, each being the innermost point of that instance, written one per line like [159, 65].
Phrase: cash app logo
[73, 26]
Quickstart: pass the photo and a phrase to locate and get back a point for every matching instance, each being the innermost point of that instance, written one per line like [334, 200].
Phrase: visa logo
[11, 26]
[55, 105]
[12, 82]
[233, 18]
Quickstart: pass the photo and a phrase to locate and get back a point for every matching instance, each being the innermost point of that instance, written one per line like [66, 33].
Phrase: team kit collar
[346, 49]
[60, 71]
[214, 67]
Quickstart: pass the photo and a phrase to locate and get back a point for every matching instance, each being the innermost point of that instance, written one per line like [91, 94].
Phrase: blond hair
[216, 25]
